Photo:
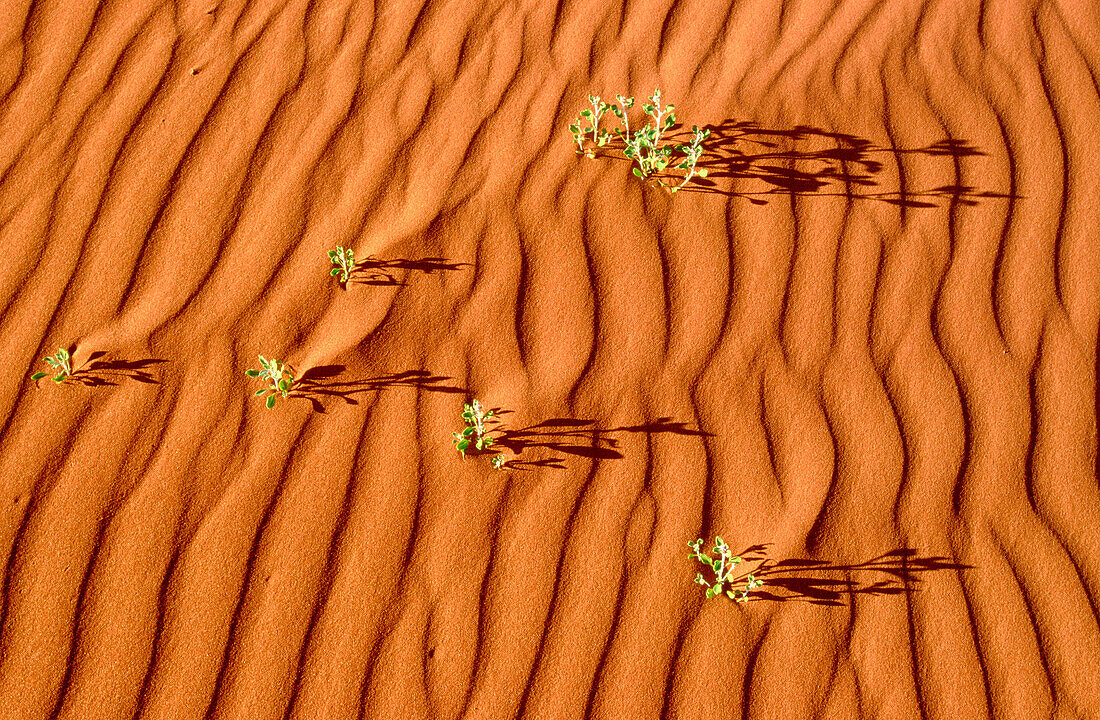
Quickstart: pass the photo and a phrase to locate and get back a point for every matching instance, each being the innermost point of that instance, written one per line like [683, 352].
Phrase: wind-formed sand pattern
[863, 350]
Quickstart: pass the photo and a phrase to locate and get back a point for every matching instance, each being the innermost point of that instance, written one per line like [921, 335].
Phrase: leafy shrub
[344, 260]
[722, 565]
[59, 361]
[278, 375]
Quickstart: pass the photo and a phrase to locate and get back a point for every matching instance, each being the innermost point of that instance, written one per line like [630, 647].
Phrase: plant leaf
[270, 401]
[259, 392]
[38, 375]
[252, 373]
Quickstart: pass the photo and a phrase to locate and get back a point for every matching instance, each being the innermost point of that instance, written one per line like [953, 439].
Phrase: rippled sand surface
[863, 350]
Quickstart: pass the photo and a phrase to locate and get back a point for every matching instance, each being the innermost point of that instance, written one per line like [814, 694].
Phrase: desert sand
[863, 350]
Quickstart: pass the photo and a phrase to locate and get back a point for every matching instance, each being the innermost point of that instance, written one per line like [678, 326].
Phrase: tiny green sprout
[279, 376]
[59, 361]
[475, 431]
[497, 462]
[692, 153]
[723, 566]
[624, 104]
[344, 260]
[599, 136]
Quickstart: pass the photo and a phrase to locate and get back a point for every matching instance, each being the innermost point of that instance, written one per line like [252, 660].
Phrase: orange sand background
[863, 350]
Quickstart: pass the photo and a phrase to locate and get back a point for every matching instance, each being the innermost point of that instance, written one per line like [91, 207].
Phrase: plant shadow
[98, 372]
[801, 579]
[781, 160]
[579, 438]
[323, 381]
[373, 271]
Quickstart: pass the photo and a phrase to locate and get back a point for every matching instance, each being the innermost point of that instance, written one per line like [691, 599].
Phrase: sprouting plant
[476, 417]
[344, 260]
[59, 361]
[278, 374]
[645, 146]
[624, 104]
[692, 151]
[497, 461]
[722, 565]
[599, 136]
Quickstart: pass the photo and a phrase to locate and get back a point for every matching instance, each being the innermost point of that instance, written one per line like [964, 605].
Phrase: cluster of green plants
[59, 361]
[651, 156]
[476, 432]
[722, 566]
[645, 146]
[279, 377]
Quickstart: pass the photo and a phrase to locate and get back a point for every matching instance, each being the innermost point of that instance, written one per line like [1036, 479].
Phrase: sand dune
[863, 350]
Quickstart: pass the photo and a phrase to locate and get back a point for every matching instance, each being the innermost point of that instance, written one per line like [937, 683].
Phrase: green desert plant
[620, 110]
[279, 376]
[599, 136]
[692, 152]
[344, 260]
[644, 146]
[59, 361]
[722, 565]
[476, 431]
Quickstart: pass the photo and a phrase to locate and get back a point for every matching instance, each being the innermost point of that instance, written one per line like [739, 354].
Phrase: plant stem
[626, 123]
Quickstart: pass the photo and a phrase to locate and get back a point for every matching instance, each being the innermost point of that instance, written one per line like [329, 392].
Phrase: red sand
[863, 350]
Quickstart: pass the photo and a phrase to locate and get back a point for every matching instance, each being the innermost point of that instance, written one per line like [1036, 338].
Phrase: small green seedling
[498, 461]
[599, 136]
[59, 361]
[692, 152]
[722, 565]
[344, 260]
[623, 104]
[475, 430]
[278, 374]
[644, 146]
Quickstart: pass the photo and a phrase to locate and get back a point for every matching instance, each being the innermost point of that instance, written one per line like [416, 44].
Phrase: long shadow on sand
[824, 583]
[97, 372]
[579, 438]
[323, 381]
[374, 271]
[805, 160]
